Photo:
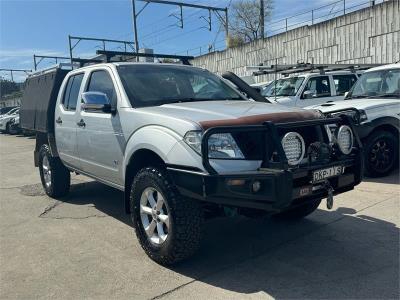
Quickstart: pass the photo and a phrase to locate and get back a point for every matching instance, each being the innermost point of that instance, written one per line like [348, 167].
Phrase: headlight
[358, 116]
[294, 147]
[345, 139]
[221, 145]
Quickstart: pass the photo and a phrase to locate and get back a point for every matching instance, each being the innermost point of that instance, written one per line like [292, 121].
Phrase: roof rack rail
[307, 67]
[67, 66]
[131, 55]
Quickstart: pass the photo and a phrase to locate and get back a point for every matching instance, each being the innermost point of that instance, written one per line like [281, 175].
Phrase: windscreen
[383, 83]
[151, 85]
[284, 87]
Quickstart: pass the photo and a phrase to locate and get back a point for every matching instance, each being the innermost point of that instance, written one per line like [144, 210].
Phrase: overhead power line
[181, 5]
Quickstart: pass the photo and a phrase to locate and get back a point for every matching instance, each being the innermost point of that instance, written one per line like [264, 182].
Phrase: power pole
[135, 27]
[262, 15]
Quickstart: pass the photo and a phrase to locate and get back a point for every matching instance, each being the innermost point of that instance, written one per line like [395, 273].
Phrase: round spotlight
[345, 139]
[294, 147]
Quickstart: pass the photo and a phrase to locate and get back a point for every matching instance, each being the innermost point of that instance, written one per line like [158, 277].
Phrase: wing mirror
[308, 95]
[96, 102]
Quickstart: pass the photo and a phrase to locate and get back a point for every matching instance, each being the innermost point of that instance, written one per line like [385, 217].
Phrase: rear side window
[100, 81]
[72, 92]
[343, 83]
[319, 86]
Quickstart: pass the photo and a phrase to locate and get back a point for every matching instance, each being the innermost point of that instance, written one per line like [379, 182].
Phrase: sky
[42, 27]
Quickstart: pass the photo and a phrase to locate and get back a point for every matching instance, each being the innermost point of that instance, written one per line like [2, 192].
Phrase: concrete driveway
[85, 247]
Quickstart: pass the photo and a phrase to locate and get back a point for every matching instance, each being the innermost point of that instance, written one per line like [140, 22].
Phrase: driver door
[316, 91]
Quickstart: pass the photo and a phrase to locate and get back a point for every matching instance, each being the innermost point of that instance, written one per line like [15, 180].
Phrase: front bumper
[279, 189]
[280, 186]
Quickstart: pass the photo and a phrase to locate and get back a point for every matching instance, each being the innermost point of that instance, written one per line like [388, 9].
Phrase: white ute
[310, 88]
[374, 103]
[183, 144]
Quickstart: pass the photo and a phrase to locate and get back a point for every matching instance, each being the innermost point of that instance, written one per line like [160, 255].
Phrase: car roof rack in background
[307, 67]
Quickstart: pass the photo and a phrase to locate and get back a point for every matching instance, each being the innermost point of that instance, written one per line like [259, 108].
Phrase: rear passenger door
[65, 118]
[100, 141]
[317, 90]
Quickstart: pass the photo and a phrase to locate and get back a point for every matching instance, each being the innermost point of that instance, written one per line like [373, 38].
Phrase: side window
[71, 92]
[100, 81]
[343, 83]
[319, 86]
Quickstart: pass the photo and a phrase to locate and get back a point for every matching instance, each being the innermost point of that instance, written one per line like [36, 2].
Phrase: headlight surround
[220, 145]
[294, 147]
[345, 139]
[358, 116]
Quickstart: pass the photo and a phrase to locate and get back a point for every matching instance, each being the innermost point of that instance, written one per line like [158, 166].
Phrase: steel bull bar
[282, 186]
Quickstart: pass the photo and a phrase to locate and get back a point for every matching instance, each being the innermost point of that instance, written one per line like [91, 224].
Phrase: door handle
[81, 123]
[59, 121]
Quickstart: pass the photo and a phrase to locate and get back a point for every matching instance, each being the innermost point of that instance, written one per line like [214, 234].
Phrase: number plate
[320, 175]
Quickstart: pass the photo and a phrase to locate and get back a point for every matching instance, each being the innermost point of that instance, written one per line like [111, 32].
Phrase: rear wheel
[167, 225]
[381, 153]
[55, 177]
[298, 212]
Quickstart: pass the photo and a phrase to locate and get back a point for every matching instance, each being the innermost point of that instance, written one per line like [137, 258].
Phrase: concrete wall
[370, 35]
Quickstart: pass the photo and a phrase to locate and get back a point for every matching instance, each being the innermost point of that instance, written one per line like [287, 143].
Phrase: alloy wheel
[154, 215]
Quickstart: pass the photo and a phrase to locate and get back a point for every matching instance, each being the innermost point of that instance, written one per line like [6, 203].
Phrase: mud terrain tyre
[381, 153]
[298, 212]
[167, 225]
[55, 177]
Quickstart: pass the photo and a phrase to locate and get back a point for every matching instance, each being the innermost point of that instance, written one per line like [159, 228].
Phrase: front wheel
[381, 153]
[167, 225]
[55, 177]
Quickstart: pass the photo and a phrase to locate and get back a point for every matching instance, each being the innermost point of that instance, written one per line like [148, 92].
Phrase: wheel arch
[41, 139]
[390, 124]
[139, 159]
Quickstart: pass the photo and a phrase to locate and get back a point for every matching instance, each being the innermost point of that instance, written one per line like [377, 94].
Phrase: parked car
[6, 118]
[374, 103]
[311, 88]
[180, 152]
[4, 110]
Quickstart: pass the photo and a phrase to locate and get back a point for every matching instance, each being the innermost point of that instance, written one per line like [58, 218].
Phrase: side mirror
[96, 102]
[346, 94]
[308, 94]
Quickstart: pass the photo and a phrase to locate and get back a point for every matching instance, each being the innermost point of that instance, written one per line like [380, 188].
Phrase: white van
[311, 88]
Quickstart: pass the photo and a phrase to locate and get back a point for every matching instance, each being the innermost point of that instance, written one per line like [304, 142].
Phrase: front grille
[254, 145]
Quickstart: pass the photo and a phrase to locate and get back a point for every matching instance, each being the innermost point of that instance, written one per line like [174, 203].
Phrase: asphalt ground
[84, 246]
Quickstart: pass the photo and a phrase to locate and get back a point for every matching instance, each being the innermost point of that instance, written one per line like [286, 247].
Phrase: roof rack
[105, 55]
[307, 67]
[126, 56]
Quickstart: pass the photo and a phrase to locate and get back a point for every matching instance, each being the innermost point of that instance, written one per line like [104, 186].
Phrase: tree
[247, 18]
